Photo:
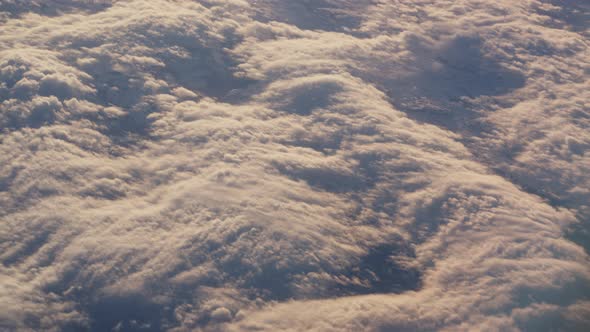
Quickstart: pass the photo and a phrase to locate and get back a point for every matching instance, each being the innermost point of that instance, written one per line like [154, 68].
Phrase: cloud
[231, 165]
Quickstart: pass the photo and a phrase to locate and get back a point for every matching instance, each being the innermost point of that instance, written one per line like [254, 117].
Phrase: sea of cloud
[313, 165]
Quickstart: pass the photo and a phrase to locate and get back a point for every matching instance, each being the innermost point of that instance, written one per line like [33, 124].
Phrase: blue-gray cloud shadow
[436, 94]
[52, 8]
[325, 15]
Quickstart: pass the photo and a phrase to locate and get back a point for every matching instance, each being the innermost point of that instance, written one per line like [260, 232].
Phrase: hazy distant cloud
[272, 165]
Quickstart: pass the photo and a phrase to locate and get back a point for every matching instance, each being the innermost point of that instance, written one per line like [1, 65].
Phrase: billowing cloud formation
[277, 165]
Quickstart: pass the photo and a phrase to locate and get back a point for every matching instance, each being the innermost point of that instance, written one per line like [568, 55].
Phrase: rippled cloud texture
[313, 165]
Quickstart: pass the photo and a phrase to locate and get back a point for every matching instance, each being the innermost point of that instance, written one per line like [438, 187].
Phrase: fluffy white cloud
[275, 165]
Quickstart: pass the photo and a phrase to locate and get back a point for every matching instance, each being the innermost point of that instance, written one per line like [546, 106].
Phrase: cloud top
[228, 165]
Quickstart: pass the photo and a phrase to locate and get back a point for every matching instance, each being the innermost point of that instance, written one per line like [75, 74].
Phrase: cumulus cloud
[276, 165]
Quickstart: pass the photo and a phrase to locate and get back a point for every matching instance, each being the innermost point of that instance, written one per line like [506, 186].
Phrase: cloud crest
[326, 165]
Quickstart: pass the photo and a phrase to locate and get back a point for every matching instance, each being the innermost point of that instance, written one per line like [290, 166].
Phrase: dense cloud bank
[229, 165]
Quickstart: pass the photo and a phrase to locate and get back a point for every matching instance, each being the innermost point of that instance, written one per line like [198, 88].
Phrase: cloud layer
[228, 165]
